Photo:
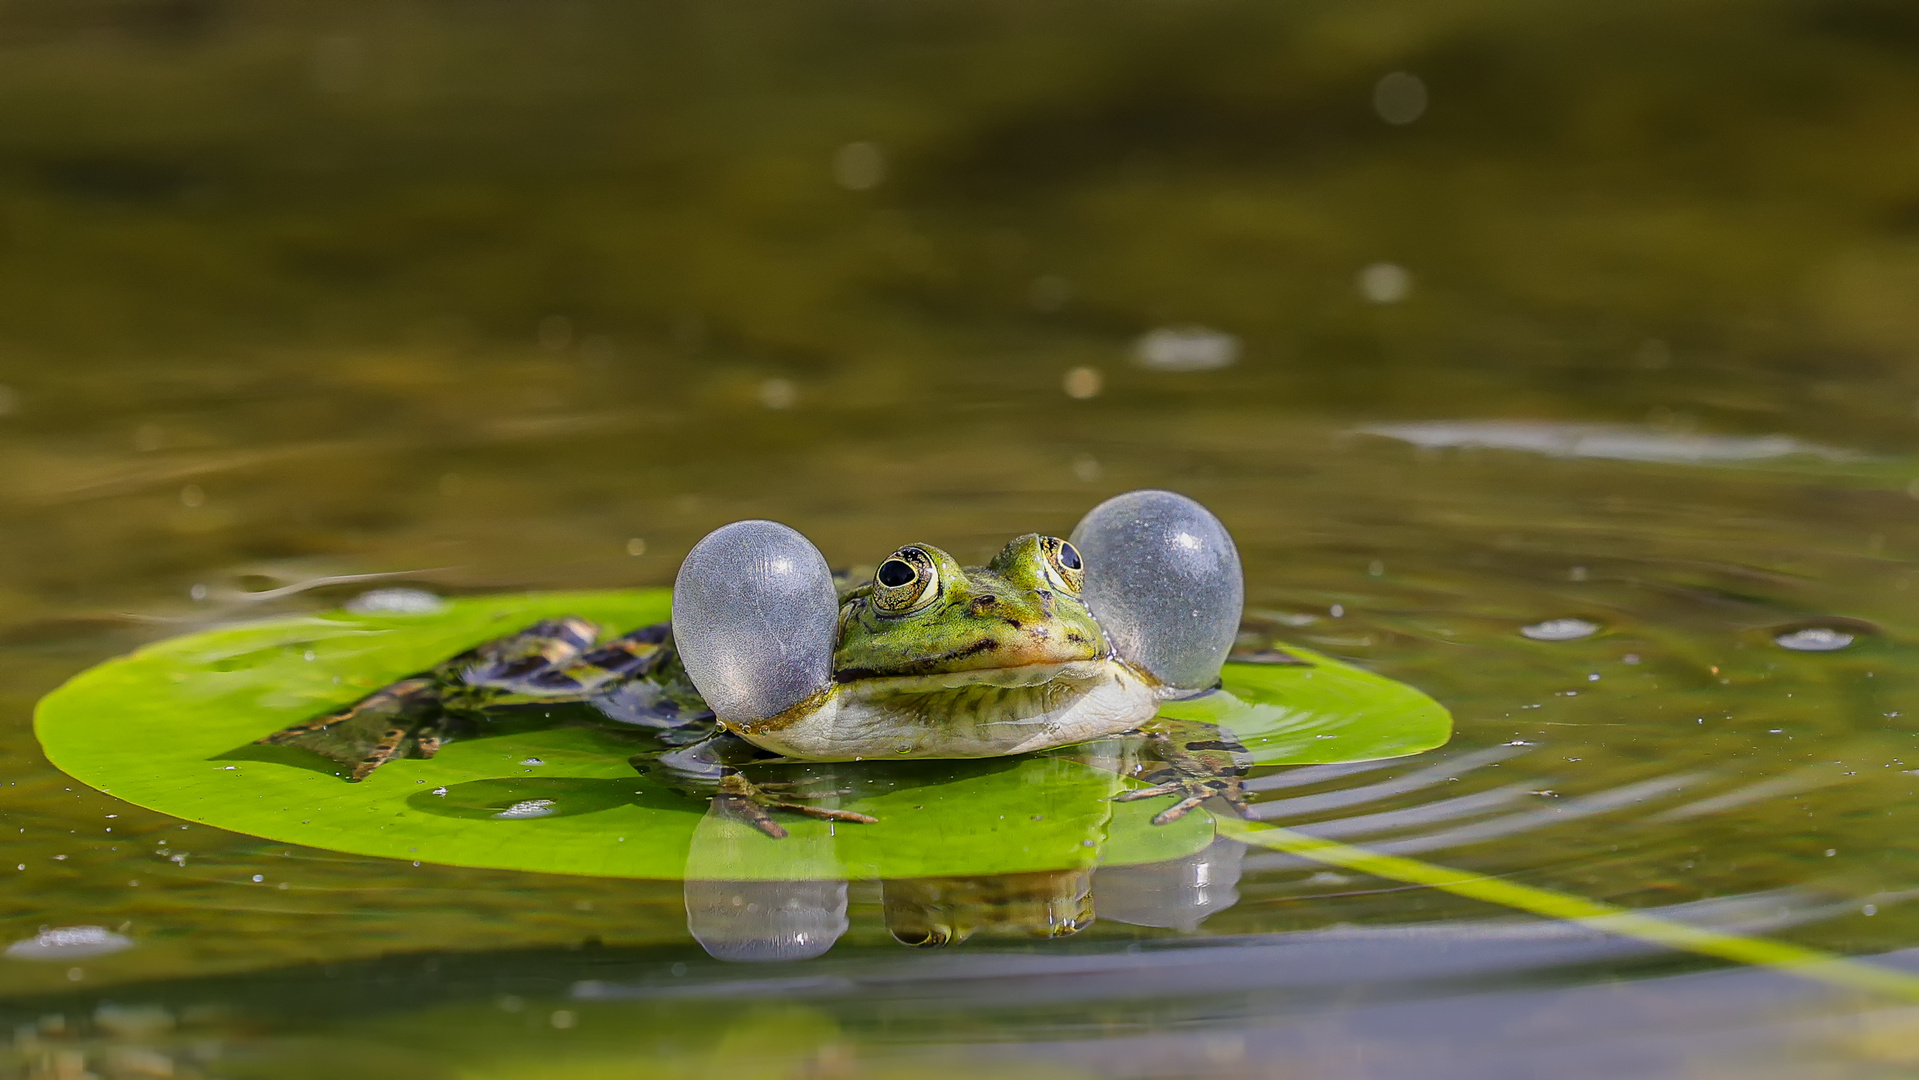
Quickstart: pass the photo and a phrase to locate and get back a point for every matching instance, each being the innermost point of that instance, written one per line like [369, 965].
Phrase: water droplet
[530, 808]
[1082, 383]
[636, 546]
[1814, 639]
[1560, 630]
[1186, 348]
[395, 602]
[1400, 98]
[67, 942]
[779, 393]
[859, 166]
[1385, 283]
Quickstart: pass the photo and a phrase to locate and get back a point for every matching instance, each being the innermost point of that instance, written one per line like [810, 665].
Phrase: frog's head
[762, 631]
[924, 614]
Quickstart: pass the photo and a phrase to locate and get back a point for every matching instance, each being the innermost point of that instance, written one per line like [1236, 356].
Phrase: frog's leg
[370, 732]
[1198, 761]
[652, 689]
[415, 716]
[710, 768]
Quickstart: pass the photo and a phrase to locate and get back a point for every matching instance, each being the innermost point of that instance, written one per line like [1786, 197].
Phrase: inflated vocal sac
[1164, 581]
[755, 619]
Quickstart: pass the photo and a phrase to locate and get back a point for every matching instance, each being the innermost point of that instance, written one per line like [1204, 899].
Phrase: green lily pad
[171, 728]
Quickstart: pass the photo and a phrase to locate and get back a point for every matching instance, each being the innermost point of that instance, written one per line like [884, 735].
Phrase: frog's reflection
[750, 898]
[802, 919]
[766, 920]
[931, 912]
[1178, 894]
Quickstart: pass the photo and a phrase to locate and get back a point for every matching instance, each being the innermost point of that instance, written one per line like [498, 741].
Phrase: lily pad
[171, 728]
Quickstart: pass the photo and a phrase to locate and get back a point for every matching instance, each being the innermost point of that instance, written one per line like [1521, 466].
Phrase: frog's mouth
[978, 712]
[1016, 676]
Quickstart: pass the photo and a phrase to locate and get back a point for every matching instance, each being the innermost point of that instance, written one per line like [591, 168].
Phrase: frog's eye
[905, 582]
[755, 619]
[1063, 563]
[1164, 583]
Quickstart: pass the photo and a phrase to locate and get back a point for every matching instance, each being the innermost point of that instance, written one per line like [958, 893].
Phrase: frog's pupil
[1069, 556]
[896, 572]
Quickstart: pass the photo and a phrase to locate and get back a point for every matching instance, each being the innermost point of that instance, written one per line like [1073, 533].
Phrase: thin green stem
[1792, 959]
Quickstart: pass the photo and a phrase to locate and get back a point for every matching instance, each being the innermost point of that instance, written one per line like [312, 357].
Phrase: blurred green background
[244, 187]
[356, 242]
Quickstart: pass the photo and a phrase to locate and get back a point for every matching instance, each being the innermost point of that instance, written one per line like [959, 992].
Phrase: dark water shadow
[524, 798]
[290, 756]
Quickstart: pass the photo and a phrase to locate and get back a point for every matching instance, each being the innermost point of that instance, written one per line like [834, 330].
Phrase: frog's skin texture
[982, 661]
[933, 660]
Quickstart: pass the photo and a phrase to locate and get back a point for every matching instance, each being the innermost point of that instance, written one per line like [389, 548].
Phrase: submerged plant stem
[1796, 960]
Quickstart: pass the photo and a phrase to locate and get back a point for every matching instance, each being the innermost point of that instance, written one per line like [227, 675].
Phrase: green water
[496, 294]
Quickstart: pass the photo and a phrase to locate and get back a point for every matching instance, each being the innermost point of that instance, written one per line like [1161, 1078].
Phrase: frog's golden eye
[905, 582]
[1062, 558]
[1069, 557]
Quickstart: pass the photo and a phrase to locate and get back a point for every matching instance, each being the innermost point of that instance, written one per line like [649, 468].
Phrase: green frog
[1053, 642]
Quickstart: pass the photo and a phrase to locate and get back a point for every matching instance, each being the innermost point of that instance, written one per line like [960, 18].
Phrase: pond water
[1554, 361]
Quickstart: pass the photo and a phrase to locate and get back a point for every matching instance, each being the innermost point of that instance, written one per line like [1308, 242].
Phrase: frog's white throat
[991, 712]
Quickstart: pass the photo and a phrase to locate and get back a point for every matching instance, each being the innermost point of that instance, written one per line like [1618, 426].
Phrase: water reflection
[757, 917]
[1178, 894]
[766, 920]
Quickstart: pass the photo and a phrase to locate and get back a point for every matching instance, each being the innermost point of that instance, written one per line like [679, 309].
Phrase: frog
[771, 657]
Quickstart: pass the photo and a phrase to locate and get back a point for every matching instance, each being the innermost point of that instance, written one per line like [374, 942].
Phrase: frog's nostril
[985, 603]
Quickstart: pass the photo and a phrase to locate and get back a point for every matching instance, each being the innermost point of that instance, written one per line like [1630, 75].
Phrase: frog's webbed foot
[743, 800]
[1198, 762]
[710, 768]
